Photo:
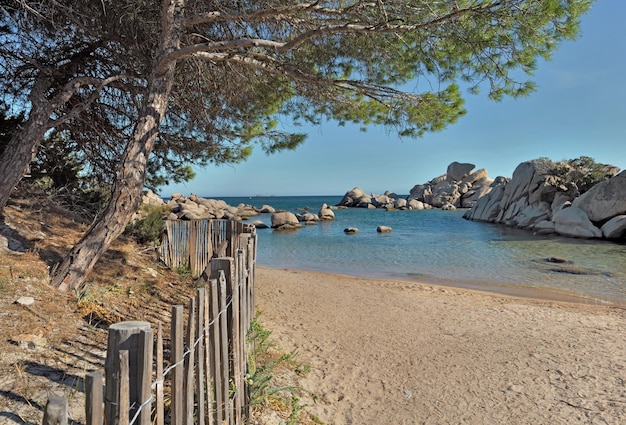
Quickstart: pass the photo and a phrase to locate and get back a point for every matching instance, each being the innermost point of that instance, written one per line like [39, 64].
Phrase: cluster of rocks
[542, 197]
[458, 188]
[180, 207]
[539, 199]
[286, 220]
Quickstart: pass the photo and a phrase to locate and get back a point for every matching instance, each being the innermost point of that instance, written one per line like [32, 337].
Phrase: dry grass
[127, 284]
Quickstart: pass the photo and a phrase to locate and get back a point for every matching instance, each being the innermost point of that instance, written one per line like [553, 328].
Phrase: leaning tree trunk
[131, 172]
[23, 146]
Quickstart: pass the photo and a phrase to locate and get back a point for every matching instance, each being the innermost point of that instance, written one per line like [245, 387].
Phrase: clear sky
[579, 108]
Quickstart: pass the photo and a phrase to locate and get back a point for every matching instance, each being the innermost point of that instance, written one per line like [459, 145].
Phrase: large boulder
[573, 222]
[457, 171]
[477, 190]
[326, 213]
[355, 198]
[285, 219]
[445, 192]
[605, 200]
[487, 208]
[615, 228]
[421, 192]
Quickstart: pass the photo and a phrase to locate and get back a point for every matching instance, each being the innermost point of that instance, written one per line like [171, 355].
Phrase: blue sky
[578, 109]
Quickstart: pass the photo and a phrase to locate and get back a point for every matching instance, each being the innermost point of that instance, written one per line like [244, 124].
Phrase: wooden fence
[191, 244]
[204, 381]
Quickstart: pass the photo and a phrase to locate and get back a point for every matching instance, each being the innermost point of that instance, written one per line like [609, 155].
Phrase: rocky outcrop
[542, 196]
[459, 187]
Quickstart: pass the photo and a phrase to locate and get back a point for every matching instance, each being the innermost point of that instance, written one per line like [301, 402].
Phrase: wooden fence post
[56, 411]
[200, 356]
[124, 389]
[160, 403]
[144, 375]
[178, 395]
[94, 398]
[189, 364]
[216, 359]
[123, 336]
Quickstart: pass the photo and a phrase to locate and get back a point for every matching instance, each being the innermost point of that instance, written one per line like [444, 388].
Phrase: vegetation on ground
[128, 284]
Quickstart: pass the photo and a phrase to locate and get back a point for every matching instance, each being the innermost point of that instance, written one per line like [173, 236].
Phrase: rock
[457, 171]
[615, 228]
[545, 227]
[354, 198]
[400, 203]
[267, 209]
[573, 222]
[605, 200]
[381, 201]
[383, 229]
[326, 213]
[25, 301]
[151, 198]
[421, 193]
[308, 217]
[286, 227]
[151, 272]
[414, 204]
[476, 176]
[284, 218]
[557, 260]
[351, 230]
[487, 208]
[533, 214]
[445, 192]
[448, 207]
[245, 212]
[259, 224]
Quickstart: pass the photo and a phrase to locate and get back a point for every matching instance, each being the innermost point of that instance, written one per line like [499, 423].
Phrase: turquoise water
[441, 247]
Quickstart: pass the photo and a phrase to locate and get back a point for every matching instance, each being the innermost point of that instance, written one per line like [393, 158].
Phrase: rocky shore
[543, 196]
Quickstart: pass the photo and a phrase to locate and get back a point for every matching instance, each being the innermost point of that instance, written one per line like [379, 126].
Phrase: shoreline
[398, 352]
[517, 291]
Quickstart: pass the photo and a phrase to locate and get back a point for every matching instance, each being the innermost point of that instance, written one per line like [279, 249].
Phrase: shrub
[150, 228]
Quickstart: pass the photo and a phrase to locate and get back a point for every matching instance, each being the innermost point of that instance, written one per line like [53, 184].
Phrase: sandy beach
[391, 352]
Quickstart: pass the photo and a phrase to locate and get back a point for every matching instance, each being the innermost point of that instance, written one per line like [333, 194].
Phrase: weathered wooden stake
[94, 397]
[190, 363]
[200, 376]
[160, 404]
[56, 411]
[178, 395]
[123, 336]
[124, 390]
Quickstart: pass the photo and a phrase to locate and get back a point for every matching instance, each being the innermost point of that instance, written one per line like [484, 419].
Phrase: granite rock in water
[542, 198]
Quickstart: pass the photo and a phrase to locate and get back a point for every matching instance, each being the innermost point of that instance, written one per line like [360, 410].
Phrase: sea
[441, 247]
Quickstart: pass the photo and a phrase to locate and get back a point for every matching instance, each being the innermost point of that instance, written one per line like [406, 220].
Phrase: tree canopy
[201, 81]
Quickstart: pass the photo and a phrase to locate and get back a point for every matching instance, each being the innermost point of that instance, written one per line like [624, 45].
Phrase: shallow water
[441, 247]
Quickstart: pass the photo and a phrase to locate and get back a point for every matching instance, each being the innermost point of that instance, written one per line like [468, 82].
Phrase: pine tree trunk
[23, 146]
[131, 174]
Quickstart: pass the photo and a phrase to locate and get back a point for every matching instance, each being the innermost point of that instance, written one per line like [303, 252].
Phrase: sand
[389, 352]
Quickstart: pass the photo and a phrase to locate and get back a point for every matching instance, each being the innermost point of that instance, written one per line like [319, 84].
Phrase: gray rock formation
[542, 196]
[459, 187]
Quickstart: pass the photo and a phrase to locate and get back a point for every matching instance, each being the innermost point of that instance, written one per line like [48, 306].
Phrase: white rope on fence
[185, 354]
